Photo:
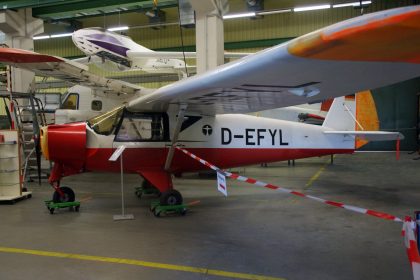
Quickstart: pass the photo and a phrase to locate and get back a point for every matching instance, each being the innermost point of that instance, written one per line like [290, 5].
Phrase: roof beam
[19, 4]
[64, 10]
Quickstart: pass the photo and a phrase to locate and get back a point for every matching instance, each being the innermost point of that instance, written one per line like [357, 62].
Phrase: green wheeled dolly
[51, 205]
[159, 209]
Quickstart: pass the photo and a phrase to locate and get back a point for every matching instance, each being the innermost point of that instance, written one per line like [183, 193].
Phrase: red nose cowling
[67, 148]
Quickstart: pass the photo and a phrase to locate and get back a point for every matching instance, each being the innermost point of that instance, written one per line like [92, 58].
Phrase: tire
[68, 195]
[172, 197]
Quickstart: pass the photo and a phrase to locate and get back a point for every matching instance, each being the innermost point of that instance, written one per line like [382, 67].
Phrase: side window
[141, 128]
[71, 102]
[96, 105]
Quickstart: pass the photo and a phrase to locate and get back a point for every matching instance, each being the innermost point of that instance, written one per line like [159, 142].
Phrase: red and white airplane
[203, 114]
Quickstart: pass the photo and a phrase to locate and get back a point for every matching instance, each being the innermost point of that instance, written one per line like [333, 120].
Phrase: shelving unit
[10, 167]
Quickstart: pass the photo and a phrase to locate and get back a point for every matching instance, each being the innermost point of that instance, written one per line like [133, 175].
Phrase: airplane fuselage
[225, 140]
[222, 140]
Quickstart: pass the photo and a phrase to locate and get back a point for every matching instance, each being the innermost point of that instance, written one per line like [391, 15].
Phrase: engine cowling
[64, 143]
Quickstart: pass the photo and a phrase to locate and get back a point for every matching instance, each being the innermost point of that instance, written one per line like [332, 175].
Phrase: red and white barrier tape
[360, 210]
[410, 243]
[408, 225]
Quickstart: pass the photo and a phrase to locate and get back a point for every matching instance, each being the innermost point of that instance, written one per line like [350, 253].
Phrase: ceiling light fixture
[41, 37]
[273, 12]
[242, 15]
[61, 35]
[118, 28]
[352, 4]
[312, 8]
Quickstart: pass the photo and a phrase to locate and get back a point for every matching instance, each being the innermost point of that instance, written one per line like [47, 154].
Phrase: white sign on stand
[119, 154]
[221, 183]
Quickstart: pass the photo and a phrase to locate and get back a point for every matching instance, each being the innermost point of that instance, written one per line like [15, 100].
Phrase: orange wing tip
[9, 55]
[395, 38]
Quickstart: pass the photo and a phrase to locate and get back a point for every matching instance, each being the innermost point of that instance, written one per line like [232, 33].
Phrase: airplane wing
[63, 69]
[362, 53]
[370, 135]
[178, 55]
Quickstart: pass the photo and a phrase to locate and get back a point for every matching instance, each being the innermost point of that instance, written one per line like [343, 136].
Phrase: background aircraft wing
[63, 69]
[362, 53]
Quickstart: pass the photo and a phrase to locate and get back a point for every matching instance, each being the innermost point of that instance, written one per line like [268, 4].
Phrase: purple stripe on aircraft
[104, 37]
[120, 50]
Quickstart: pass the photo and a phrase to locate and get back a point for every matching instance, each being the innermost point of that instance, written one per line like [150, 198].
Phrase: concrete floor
[253, 231]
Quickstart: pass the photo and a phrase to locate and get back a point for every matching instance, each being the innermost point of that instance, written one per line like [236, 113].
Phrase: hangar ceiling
[51, 10]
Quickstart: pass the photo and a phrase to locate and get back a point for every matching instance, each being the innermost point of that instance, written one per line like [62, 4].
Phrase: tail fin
[342, 114]
[357, 117]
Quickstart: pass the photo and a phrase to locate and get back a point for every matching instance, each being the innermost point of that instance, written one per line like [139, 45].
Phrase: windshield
[105, 124]
[71, 101]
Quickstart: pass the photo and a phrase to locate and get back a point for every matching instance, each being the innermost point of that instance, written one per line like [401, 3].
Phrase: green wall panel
[397, 111]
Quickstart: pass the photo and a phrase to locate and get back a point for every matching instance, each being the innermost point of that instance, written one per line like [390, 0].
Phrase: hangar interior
[253, 233]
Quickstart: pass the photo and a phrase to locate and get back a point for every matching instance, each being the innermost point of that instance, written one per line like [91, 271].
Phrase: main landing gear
[170, 200]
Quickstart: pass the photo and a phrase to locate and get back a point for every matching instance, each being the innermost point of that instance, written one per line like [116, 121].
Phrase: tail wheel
[172, 197]
[67, 197]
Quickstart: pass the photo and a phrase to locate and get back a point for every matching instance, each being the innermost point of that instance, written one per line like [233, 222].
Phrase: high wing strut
[180, 120]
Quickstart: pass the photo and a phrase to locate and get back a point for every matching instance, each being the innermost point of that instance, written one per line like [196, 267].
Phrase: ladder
[30, 117]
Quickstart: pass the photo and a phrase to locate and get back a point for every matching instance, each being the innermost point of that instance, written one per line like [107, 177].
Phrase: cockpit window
[105, 124]
[71, 101]
[137, 127]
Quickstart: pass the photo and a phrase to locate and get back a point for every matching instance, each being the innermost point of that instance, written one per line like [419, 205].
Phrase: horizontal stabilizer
[370, 135]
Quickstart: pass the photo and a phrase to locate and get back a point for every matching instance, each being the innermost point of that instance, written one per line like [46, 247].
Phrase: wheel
[51, 210]
[68, 195]
[172, 197]
[77, 208]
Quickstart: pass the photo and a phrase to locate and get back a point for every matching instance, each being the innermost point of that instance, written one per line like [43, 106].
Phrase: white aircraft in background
[116, 52]
[204, 113]
[81, 103]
